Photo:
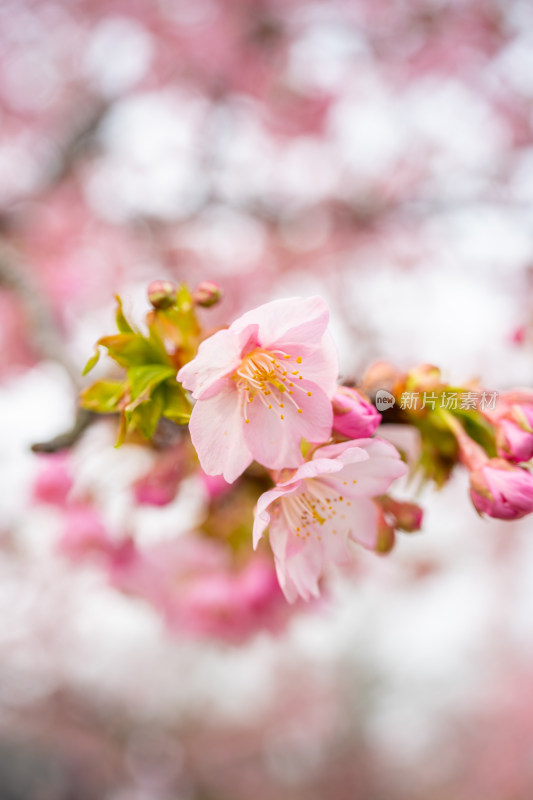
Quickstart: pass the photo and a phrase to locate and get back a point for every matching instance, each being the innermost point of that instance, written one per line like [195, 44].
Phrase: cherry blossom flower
[261, 386]
[325, 504]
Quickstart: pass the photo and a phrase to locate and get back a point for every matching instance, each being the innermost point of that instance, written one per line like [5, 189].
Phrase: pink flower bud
[406, 516]
[381, 375]
[353, 416]
[207, 294]
[514, 434]
[502, 490]
[162, 294]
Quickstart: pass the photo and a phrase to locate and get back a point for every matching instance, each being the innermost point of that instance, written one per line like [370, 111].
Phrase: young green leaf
[145, 416]
[122, 323]
[92, 361]
[177, 406]
[129, 349]
[102, 397]
[144, 379]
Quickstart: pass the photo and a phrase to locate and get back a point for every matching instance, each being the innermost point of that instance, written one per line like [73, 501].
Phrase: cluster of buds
[490, 434]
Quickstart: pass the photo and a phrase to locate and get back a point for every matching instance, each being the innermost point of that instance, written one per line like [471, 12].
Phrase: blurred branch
[82, 421]
[75, 143]
[45, 336]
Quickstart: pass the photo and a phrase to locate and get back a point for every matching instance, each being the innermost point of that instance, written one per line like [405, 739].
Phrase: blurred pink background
[379, 154]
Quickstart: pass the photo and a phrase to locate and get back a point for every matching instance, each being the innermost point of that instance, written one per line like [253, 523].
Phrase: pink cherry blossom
[353, 416]
[326, 503]
[261, 386]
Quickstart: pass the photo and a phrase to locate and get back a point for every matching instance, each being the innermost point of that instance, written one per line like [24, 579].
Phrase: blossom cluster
[256, 414]
[263, 388]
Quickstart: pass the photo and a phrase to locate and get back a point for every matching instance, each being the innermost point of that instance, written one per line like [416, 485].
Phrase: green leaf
[143, 380]
[144, 417]
[102, 397]
[92, 361]
[122, 429]
[122, 323]
[176, 404]
[129, 349]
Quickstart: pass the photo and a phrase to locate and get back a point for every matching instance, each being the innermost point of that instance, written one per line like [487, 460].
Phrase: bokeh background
[376, 152]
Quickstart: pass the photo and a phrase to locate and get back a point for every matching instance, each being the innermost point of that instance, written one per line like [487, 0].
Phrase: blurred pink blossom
[84, 534]
[53, 481]
[194, 584]
[159, 486]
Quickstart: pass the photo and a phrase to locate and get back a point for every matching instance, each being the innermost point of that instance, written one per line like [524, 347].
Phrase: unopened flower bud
[353, 415]
[207, 294]
[513, 441]
[407, 516]
[425, 377]
[381, 375]
[513, 421]
[162, 294]
[502, 490]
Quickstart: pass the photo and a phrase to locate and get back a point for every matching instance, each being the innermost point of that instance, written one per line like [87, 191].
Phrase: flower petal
[364, 523]
[262, 518]
[292, 319]
[364, 478]
[274, 434]
[217, 358]
[216, 427]
[299, 573]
